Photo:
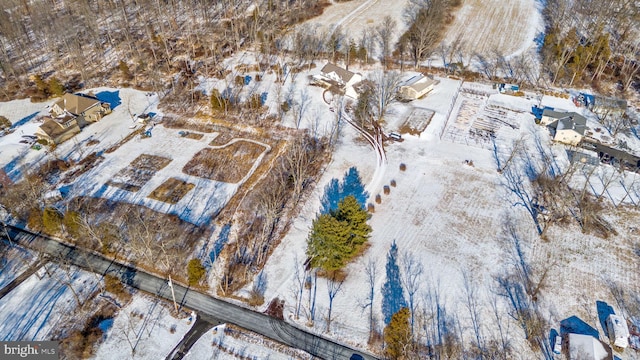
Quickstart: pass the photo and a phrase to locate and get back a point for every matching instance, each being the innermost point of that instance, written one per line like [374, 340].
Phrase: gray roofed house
[569, 129]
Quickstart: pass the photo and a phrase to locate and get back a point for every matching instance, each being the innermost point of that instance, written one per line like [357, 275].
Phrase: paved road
[226, 312]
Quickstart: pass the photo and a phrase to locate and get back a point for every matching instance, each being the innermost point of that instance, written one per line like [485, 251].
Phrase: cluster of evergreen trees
[341, 229]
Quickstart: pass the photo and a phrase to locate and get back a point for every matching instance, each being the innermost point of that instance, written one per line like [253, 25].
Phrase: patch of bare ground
[85, 164]
[171, 191]
[136, 174]
[417, 121]
[226, 164]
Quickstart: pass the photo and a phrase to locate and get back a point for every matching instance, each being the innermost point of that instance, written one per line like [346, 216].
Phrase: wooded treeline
[590, 41]
[140, 42]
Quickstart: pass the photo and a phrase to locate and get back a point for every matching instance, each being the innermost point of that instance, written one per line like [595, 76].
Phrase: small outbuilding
[416, 87]
[586, 347]
[618, 331]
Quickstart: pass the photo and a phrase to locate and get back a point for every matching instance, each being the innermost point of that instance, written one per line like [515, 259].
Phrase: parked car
[557, 344]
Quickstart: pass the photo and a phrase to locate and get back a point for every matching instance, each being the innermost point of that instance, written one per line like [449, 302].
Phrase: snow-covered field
[450, 216]
[354, 16]
[37, 308]
[488, 26]
[227, 343]
[143, 329]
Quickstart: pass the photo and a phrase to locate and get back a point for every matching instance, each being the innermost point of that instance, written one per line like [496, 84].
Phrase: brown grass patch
[417, 121]
[228, 164]
[136, 174]
[194, 136]
[125, 140]
[171, 191]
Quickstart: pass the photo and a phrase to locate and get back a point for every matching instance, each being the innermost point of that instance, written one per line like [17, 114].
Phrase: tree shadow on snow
[576, 325]
[111, 97]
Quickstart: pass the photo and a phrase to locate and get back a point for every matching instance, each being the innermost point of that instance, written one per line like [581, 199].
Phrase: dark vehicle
[356, 357]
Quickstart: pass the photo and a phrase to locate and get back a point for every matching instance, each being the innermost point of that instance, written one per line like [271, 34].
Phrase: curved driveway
[272, 328]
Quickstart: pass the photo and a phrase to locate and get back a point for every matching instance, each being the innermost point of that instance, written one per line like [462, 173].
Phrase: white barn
[416, 87]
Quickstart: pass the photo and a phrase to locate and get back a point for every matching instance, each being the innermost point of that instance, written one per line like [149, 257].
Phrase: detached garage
[416, 87]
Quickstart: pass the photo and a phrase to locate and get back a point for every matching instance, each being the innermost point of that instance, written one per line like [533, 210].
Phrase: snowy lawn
[14, 262]
[143, 329]
[40, 306]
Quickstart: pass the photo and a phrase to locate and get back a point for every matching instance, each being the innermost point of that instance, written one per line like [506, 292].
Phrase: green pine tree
[338, 236]
[351, 212]
[195, 271]
[327, 245]
[55, 87]
[51, 220]
[397, 335]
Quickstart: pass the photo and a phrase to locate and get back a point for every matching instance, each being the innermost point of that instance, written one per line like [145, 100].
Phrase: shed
[416, 87]
[585, 347]
[618, 331]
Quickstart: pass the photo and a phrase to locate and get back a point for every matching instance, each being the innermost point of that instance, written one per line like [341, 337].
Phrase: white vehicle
[557, 344]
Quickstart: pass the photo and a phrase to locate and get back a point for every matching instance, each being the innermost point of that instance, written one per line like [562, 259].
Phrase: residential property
[342, 79]
[58, 130]
[550, 115]
[87, 109]
[618, 331]
[69, 115]
[416, 87]
[586, 347]
[569, 129]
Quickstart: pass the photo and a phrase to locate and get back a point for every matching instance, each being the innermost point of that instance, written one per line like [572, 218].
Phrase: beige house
[58, 130]
[344, 79]
[569, 129]
[87, 109]
[69, 115]
[416, 87]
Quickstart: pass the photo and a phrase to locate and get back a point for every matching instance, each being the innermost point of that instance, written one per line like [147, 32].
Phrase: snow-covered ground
[450, 216]
[37, 308]
[487, 27]
[14, 261]
[356, 15]
[143, 329]
[227, 343]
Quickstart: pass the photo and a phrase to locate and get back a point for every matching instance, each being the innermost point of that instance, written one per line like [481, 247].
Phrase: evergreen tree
[55, 87]
[356, 217]
[328, 244]
[397, 335]
[352, 185]
[392, 292]
[338, 236]
[195, 271]
[51, 220]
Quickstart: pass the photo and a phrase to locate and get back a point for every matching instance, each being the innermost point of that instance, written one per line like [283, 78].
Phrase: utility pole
[173, 295]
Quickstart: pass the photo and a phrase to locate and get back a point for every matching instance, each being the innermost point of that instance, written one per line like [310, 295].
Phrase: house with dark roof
[569, 129]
